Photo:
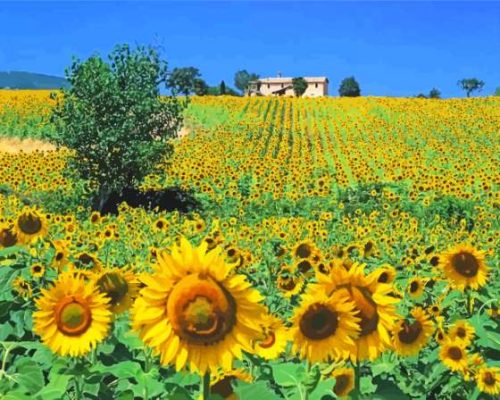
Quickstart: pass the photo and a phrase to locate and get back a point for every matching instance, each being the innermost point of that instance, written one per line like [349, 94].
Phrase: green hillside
[29, 80]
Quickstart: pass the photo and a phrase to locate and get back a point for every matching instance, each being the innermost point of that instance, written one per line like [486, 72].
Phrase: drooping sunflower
[409, 337]
[374, 305]
[384, 274]
[289, 284]
[8, 237]
[462, 331]
[194, 310]
[71, 317]
[454, 355]
[61, 254]
[120, 285]
[273, 340]
[221, 384]
[488, 380]
[22, 287]
[89, 262]
[464, 267]
[324, 327]
[30, 225]
[344, 381]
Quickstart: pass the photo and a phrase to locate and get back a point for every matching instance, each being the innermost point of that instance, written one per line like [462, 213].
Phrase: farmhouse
[281, 86]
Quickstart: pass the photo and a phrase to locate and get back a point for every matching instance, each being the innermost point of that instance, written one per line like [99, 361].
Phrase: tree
[299, 86]
[243, 78]
[113, 120]
[434, 94]
[421, 96]
[497, 91]
[200, 87]
[222, 88]
[183, 80]
[470, 85]
[349, 87]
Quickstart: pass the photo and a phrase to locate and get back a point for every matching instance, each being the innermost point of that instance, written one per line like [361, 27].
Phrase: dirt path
[15, 145]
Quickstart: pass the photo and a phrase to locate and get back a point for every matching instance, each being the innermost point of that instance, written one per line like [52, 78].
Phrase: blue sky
[393, 49]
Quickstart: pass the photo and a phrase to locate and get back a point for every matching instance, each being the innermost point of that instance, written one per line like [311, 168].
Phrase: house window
[282, 85]
[268, 85]
[316, 85]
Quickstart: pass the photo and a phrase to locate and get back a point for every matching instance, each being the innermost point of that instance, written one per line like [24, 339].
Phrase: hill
[29, 80]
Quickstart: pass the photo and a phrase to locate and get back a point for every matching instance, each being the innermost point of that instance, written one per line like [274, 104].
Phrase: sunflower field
[341, 248]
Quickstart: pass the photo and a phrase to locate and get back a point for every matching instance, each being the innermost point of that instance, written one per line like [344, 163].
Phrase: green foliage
[114, 121]
[222, 88]
[349, 87]
[299, 86]
[200, 87]
[434, 94]
[243, 78]
[470, 85]
[184, 80]
[497, 91]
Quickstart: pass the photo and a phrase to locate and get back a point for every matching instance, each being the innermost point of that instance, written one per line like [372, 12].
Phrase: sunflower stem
[206, 386]
[357, 379]
[469, 303]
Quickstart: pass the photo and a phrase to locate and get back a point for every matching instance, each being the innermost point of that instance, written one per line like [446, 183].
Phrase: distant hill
[29, 80]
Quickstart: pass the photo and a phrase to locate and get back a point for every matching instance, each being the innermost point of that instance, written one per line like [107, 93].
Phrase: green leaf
[30, 375]
[289, 374]
[387, 390]
[366, 385]
[322, 389]
[254, 390]
[16, 395]
[55, 389]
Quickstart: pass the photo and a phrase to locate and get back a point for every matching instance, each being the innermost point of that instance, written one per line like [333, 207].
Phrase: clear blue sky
[395, 49]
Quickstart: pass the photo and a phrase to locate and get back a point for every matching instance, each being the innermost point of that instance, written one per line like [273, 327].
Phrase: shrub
[114, 120]
[349, 87]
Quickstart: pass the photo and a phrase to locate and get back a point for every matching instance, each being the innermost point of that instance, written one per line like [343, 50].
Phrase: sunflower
[374, 305]
[37, 270]
[324, 326]
[160, 225]
[416, 287]
[462, 331]
[88, 262]
[488, 380]
[30, 225]
[22, 287]
[61, 255]
[71, 317]
[120, 285]
[305, 267]
[289, 284]
[221, 384]
[453, 355]
[8, 237]
[344, 381]
[304, 249]
[194, 310]
[409, 338]
[273, 340]
[384, 274]
[464, 267]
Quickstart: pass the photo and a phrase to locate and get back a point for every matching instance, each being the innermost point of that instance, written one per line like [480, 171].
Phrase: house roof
[308, 79]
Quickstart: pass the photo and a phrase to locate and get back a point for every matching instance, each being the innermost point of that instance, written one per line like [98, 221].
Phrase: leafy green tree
[470, 85]
[222, 88]
[349, 87]
[183, 80]
[434, 94]
[114, 121]
[421, 96]
[200, 87]
[299, 86]
[243, 78]
[497, 91]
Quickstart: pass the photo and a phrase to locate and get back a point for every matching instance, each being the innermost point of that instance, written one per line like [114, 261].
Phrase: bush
[114, 121]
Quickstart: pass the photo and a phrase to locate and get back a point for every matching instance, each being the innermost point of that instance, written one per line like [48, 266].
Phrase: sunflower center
[409, 333]
[114, 285]
[7, 238]
[268, 342]
[414, 286]
[223, 387]
[489, 379]
[287, 283]
[304, 266]
[201, 310]
[341, 383]
[318, 322]
[455, 353]
[303, 251]
[461, 333]
[465, 264]
[383, 277]
[73, 317]
[367, 310]
[29, 224]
